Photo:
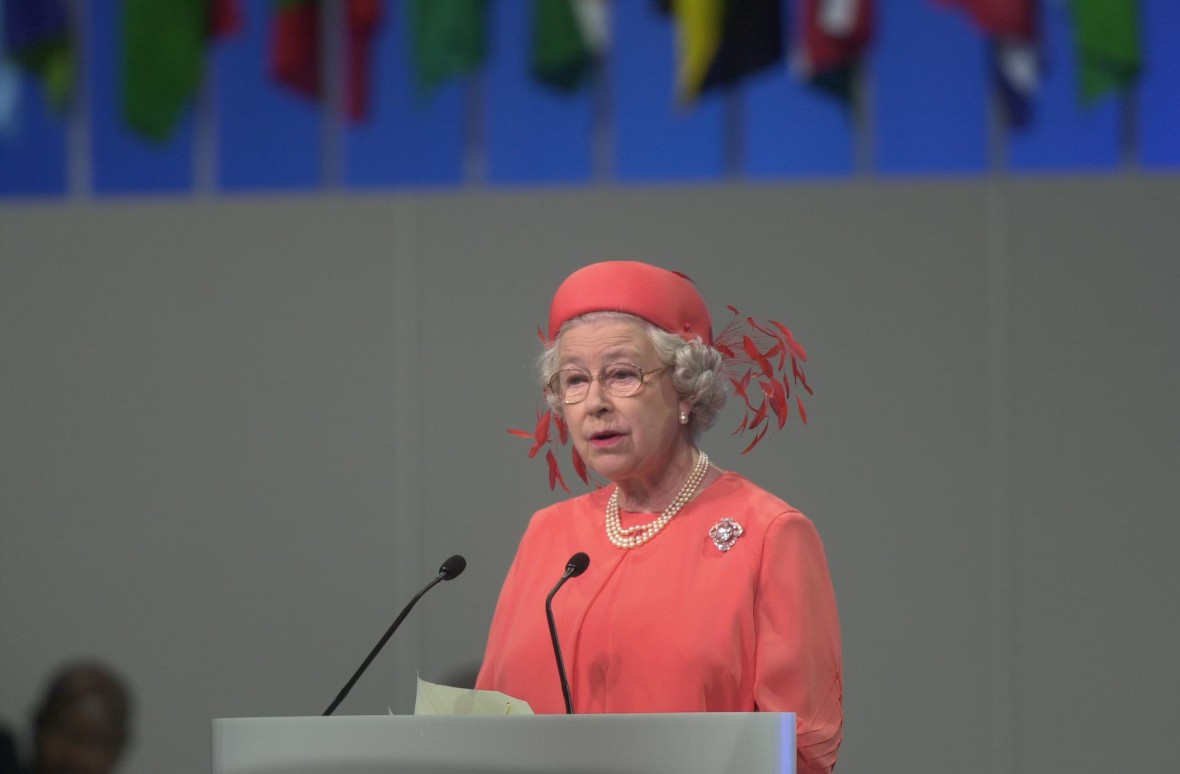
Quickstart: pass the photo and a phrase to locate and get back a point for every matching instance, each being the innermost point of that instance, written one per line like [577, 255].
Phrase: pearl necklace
[633, 537]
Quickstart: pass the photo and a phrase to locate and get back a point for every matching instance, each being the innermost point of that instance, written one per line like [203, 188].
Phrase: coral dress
[677, 625]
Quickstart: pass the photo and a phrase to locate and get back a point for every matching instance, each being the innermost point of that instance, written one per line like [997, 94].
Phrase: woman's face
[623, 439]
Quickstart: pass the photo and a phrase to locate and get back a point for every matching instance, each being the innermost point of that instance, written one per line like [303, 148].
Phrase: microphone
[451, 568]
[573, 568]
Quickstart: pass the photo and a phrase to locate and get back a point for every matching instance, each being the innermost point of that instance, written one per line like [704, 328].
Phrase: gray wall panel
[237, 435]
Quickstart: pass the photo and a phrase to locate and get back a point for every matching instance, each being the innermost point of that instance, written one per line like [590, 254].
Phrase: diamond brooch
[725, 533]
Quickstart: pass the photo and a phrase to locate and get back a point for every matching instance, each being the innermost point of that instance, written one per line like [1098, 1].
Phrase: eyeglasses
[622, 380]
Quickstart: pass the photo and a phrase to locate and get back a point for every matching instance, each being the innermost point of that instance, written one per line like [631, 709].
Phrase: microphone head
[577, 564]
[452, 568]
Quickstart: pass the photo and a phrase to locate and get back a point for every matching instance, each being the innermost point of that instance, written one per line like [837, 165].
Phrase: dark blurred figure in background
[8, 760]
[83, 723]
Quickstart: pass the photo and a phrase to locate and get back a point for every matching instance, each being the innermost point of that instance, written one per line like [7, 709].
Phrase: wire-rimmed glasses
[621, 380]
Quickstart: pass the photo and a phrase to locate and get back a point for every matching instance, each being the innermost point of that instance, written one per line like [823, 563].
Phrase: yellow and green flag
[38, 38]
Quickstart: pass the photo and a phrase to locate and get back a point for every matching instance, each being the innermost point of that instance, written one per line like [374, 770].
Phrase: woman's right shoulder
[561, 522]
[589, 503]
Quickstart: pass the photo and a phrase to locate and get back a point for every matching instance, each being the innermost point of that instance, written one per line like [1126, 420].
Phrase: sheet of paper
[435, 699]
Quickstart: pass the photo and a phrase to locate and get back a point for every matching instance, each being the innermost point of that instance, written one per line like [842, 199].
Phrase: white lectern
[691, 743]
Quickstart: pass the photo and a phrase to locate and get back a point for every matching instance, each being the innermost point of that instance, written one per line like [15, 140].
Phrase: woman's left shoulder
[734, 486]
[759, 509]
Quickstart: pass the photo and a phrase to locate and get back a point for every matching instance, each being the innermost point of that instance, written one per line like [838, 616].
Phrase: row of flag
[719, 43]
[1106, 35]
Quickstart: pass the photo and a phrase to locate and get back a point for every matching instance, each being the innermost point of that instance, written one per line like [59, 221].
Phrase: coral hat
[664, 298]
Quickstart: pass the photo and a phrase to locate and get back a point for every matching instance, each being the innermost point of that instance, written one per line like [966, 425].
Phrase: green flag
[562, 57]
[448, 39]
[162, 45]
[1106, 33]
[568, 36]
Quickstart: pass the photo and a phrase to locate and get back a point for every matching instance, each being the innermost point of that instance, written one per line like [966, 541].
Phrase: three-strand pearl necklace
[633, 537]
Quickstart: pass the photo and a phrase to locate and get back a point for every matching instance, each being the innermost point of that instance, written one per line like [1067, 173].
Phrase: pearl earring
[683, 418]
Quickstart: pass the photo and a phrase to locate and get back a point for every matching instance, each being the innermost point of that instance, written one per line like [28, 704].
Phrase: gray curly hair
[696, 372]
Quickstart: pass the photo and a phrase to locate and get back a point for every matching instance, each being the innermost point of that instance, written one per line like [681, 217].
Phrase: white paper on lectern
[435, 699]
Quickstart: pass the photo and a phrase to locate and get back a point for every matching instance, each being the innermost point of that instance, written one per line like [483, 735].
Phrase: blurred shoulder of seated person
[82, 723]
[9, 763]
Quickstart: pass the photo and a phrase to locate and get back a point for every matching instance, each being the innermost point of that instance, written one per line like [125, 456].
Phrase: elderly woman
[704, 592]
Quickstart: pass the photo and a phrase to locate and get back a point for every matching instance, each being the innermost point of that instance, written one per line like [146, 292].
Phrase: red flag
[835, 37]
[225, 18]
[295, 49]
[295, 46]
[363, 19]
[1001, 17]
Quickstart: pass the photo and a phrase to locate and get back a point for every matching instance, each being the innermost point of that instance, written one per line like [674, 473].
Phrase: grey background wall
[237, 435]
